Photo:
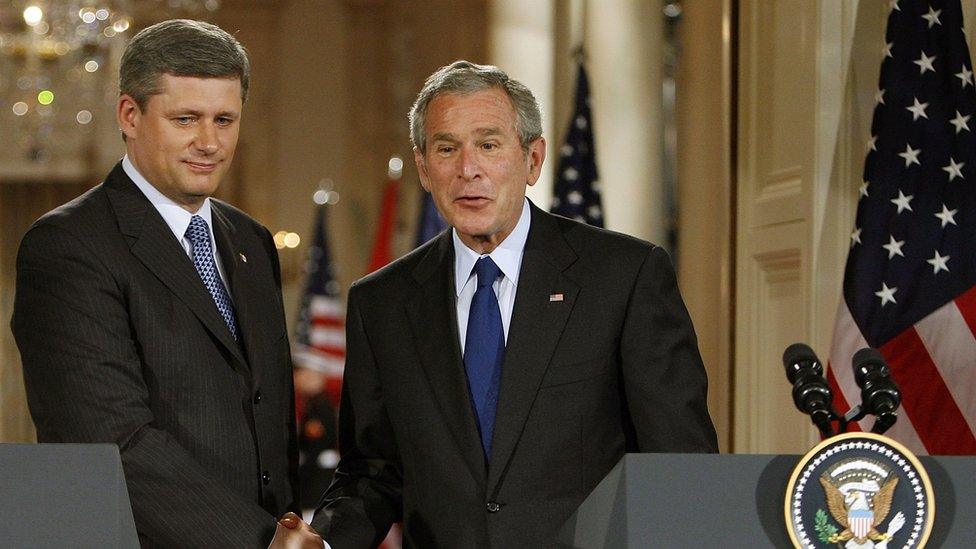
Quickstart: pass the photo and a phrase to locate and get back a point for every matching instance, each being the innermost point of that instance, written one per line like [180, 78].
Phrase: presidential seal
[859, 491]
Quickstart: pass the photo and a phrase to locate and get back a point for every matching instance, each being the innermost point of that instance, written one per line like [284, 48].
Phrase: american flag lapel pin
[243, 257]
[555, 297]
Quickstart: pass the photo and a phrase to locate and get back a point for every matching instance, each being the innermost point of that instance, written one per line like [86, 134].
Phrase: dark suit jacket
[122, 343]
[611, 368]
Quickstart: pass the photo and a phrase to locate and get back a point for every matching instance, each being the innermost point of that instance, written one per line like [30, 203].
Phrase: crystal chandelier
[59, 77]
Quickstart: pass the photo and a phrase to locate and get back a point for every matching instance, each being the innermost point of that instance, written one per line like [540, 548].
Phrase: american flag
[577, 189]
[909, 282]
[431, 223]
[320, 339]
[386, 226]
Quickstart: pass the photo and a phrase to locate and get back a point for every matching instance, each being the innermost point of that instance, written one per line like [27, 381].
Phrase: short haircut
[180, 47]
[464, 77]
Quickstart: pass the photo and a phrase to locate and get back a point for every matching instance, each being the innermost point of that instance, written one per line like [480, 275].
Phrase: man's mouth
[473, 200]
[201, 167]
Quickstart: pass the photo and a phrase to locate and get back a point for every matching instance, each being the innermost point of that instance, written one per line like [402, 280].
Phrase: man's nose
[470, 166]
[206, 140]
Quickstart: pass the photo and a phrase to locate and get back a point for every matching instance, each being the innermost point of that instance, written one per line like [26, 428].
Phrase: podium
[64, 495]
[732, 500]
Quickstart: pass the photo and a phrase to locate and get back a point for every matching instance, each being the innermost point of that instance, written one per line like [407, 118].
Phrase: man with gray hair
[497, 373]
[149, 314]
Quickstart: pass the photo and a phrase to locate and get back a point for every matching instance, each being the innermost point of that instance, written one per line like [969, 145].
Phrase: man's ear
[535, 157]
[128, 114]
[421, 162]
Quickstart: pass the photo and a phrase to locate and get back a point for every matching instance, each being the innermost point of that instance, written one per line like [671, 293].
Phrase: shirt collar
[507, 255]
[173, 214]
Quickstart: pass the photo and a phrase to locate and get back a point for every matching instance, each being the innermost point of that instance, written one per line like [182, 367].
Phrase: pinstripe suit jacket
[122, 343]
[613, 366]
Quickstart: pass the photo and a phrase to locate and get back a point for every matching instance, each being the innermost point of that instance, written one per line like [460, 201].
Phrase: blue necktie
[484, 349]
[198, 233]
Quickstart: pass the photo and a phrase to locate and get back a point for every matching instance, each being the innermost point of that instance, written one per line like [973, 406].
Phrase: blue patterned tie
[198, 233]
[484, 349]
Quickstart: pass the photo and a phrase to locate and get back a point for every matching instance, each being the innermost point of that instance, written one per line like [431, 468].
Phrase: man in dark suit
[149, 315]
[496, 374]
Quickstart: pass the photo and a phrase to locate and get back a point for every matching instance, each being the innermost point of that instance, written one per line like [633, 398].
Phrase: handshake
[294, 533]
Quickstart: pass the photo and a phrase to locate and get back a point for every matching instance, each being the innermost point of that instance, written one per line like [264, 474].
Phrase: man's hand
[294, 533]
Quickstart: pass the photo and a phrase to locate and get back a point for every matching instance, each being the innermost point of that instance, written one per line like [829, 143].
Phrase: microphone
[811, 393]
[879, 393]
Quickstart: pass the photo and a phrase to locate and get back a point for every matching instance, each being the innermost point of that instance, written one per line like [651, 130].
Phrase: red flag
[383, 243]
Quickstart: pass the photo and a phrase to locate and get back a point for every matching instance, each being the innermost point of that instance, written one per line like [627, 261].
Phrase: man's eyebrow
[491, 130]
[200, 114]
[447, 136]
[444, 136]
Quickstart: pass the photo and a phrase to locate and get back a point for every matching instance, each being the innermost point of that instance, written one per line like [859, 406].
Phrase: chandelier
[59, 77]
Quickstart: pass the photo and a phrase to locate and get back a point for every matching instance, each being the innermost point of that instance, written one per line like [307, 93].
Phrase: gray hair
[464, 77]
[180, 47]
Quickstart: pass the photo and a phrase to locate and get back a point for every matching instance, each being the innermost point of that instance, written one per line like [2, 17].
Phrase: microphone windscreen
[867, 356]
[798, 353]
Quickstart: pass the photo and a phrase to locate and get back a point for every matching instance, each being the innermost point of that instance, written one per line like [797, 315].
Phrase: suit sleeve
[364, 499]
[85, 384]
[664, 378]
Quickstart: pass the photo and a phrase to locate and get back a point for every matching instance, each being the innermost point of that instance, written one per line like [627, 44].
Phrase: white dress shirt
[175, 216]
[508, 257]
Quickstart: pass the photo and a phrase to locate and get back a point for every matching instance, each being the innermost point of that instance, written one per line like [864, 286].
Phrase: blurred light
[91, 66]
[328, 459]
[211, 5]
[45, 110]
[46, 97]
[20, 108]
[101, 14]
[279, 239]
[84, 117]
[41, 28]
[323, 196]
[24, 83]
[109, 32]
[121, 25]
[88, 16]
[33, 15]
[61, 48]
[292, 240]
[672, 10]
[395, 167]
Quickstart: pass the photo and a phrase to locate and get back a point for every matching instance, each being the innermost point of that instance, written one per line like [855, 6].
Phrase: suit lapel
[536, 326]
[434, 305]
[231, 250]
[153, 243]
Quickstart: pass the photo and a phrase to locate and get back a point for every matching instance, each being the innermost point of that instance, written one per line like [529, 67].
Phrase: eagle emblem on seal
[859, 494]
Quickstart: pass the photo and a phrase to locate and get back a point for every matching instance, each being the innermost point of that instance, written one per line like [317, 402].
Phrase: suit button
[266, 478]
[257, 397]
[493, 507]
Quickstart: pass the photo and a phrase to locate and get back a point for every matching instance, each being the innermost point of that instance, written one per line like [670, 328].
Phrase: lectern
[64, 495]
[735, 500]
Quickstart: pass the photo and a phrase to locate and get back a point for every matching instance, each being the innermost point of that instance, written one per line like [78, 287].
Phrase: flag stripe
[951, 345]
[942, 428]
[335, 339]
[967, 306]
[328, 322]
[847, 341]
[309, 357]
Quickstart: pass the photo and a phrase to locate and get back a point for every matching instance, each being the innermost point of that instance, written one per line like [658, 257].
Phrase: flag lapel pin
[555, 297]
